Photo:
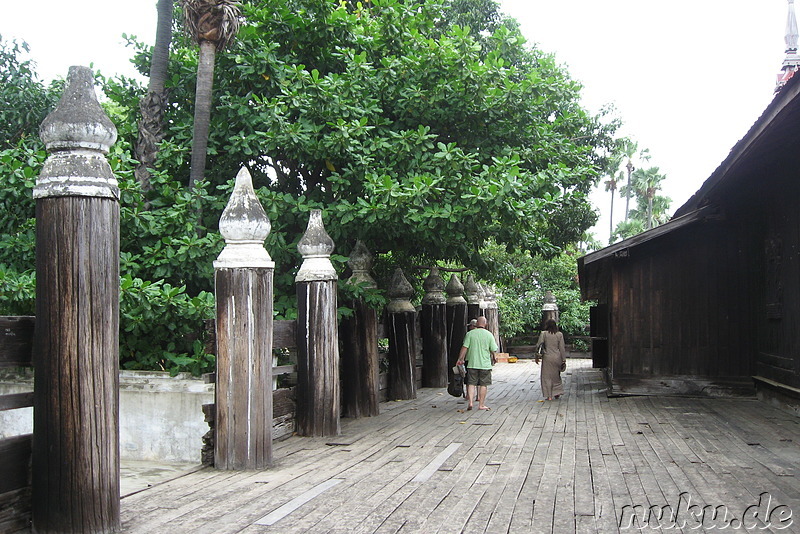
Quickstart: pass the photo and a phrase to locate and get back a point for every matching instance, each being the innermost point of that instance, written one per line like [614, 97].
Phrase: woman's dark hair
[551, 326]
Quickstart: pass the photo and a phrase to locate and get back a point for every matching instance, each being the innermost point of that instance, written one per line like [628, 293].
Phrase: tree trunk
[202, 111]
[611, 218]
[152, 106]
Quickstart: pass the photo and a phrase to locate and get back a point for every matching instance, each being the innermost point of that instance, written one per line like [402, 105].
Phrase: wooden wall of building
[778, 323]
[681, 310]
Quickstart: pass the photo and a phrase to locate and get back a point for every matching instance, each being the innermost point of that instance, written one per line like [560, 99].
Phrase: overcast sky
[687, 77]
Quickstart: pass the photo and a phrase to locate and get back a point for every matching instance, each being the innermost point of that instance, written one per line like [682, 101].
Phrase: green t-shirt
[479, 343]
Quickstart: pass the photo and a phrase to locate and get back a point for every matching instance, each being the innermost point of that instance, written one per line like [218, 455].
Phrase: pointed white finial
[244, 225]
[316, 247]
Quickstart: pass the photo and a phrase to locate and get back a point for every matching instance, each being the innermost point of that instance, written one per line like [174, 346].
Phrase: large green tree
[414, 133]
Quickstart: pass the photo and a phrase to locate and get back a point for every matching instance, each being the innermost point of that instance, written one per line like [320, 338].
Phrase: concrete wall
[161, 417]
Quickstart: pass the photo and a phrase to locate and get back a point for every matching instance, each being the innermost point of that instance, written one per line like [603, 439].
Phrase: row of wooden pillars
[75, 480]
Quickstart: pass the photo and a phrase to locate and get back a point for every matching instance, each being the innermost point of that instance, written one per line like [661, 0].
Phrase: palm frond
[216, 21]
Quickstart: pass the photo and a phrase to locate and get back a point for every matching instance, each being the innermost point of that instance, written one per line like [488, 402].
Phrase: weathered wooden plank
[15, 511]
[518, 459]
[284, 334]
[15, 467]
[14, 401]
[16, 341]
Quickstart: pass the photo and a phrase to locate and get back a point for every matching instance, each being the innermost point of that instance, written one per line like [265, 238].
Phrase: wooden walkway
[584, 464]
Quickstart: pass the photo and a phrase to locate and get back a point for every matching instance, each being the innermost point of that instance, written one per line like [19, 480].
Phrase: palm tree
[611, 185]
[152, 106]
[213, 24]
[645, 184]
[628, 147]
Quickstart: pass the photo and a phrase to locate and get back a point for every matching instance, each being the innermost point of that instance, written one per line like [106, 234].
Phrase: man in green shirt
[478, 349]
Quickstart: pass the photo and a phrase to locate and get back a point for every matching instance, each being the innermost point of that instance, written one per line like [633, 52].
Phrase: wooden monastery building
[709, 303]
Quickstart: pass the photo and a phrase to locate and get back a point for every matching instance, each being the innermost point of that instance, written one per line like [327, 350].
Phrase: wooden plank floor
[585, 463]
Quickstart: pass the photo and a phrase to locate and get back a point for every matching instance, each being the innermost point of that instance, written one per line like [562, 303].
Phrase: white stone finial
[455, 291]
[400, 293]
[549, 302]
[434, 288]
[244, 225]
[78, 135]
[482, 296]
[316, 247]
[360, 262]
[491, 297]
[471, 290]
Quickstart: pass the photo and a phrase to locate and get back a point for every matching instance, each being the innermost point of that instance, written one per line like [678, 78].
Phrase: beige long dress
[554, 355]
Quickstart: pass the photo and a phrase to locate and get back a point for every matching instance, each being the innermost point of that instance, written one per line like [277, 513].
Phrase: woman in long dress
[553, 357]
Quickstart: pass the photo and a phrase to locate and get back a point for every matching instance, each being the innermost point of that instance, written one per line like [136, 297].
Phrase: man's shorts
[479, 377]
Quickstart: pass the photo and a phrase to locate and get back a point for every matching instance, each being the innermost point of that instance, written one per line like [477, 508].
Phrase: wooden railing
[16, 341]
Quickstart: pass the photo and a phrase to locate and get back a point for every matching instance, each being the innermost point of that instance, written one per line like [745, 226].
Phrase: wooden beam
[15, 469]
[14, 401]
[16, 341]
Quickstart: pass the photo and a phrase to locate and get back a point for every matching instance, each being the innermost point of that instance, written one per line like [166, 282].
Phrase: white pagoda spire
[791, 62]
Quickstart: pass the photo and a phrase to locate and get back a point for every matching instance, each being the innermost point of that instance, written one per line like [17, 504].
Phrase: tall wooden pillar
[473, 300]
[318, 394]
[360, 386]
[456, 321]
[434, 332]
[76, 347]
[401, 318]
[243, 288]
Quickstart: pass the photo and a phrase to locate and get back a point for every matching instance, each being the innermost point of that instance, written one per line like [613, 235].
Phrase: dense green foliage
[428, 129]
[524, 280]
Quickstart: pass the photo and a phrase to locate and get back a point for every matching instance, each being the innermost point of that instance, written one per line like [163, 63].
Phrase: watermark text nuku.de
[685, 515]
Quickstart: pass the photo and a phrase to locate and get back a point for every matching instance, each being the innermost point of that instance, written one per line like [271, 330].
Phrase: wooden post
[473, 300]
[76, 348]
[243, 288]
[549, 308]
[492, 314]
[318, 395]
[434, 332]
[360, 386]
[456, 321]
[401, 319]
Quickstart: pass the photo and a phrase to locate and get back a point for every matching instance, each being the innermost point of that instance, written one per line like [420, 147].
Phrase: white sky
[688, 78]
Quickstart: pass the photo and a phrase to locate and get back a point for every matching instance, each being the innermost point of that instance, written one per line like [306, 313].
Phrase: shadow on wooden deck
[585, 463]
